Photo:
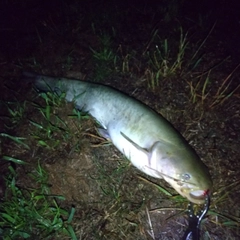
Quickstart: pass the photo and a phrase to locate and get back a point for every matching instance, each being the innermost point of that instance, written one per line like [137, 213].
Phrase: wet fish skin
[145, 137]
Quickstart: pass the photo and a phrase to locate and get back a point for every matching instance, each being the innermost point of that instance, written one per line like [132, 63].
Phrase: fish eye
[186, 176]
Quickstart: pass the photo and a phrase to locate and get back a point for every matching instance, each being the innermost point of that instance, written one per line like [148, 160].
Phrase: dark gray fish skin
[145, 137]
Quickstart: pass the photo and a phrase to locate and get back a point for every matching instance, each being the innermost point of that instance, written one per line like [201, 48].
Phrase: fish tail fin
[41, 82]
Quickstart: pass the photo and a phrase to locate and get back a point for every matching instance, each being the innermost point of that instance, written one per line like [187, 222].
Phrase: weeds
[16, 111]
[205, 92]
[53, 99]
[226, 220]
[166, 61]
[113, 187]
[199, 91]
[223, 92]
[194, 60]
[17, 140]
[53, 123]
[105, 53]
[29, 213]
[14, 160]
[161, 62]
[105, 57]
[125, 60]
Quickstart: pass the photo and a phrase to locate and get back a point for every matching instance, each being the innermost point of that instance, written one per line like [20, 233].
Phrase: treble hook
[195, 220]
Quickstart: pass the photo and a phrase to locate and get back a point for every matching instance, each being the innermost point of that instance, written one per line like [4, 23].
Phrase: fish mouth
[198, 196]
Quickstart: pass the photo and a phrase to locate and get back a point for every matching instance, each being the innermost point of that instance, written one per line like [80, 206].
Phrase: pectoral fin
[151, 154]
[135, 144]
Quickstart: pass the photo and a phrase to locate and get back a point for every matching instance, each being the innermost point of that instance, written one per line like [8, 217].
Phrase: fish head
[189, 187]
[180, 166]
[182, 169]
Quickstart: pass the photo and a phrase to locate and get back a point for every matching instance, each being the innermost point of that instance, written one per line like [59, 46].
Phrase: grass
[105, 58]
[18, 140]
[52, 123]
[110, 184]
[168, 60]
[32, 212]
[207, 95]
[105, 53]
[224, 218]
[199, 92]
[164, 61]
[29, 213]
[223, 92]
[16, 112]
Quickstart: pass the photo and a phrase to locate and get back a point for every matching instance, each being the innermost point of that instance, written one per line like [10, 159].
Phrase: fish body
[145, 137]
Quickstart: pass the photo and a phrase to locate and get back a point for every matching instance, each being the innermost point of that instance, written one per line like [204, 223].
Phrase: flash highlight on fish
[145, 137]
